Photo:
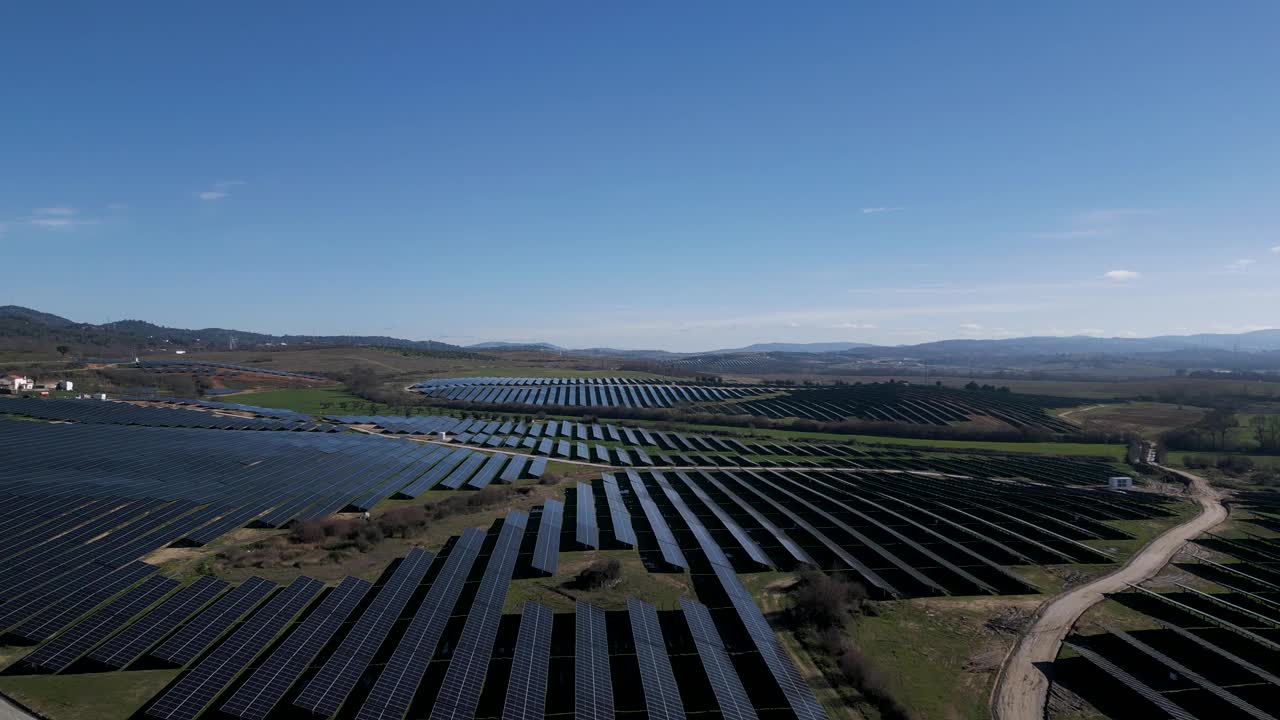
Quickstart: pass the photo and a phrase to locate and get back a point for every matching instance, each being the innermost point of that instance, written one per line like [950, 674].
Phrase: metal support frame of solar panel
[59, 653]
[1115, 671]
[593, 685]
[838, 550]
[1217, 650]
[753, 550]
[135, 639]
[460, 691]
[1203, 682]
[661, 694]
[667, 543]
[725, 683]
[272, 679]
[527, 686]
[546, 549]
[622, 530]
[395, 687]
[326, 691]
[205, 628]
[198, 688]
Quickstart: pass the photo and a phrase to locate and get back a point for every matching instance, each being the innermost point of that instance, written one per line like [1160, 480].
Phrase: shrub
[601, 573]
[824, 601]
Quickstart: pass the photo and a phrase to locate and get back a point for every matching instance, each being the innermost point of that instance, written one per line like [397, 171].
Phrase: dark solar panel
[460, 692]
[622, 530]
[592, 683]
[586, 530]
[514, 469]
[198, 688]
[661, 694]
[546, 550]
[732, 697]
[662, 532]
[394, 690]
[60, 652]
[134, 640]
[527, 687]
[200, 633]
[271, 680]
[335, 679]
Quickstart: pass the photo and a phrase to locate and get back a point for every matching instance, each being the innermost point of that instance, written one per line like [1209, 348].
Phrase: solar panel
[487, 472]
[394, 690]
[662, 532]
[622, 530]
[198, 688]
[592, 683]
[464, 471]
[200, 633]
[587, 531]
[53, 617]
[546, 550]
[460, 692]
[324, 694]
[744, 540]
[273, 678]
[59, 653]
[732, 697]
[537, 467]
[134, 640]
[527, 687]
[661, 694]
[514, 470]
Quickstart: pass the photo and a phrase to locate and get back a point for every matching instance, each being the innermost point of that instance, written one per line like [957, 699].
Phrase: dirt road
[1023, 687]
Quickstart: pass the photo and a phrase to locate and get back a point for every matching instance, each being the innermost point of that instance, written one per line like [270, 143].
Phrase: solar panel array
[725, 683]
[268, 684]
[581, 392]
[661, 694]
[393, 692]
[460, 692]
[325, 692]
[592, 684]
[546, 549]
[134, 640]
[63, 650]
[667, 543]
[196, 690]
[586, 529]
[527, 687]
[209, 625]
[622, 530]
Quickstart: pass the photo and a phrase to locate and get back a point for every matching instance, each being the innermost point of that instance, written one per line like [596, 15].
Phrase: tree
[63, 350]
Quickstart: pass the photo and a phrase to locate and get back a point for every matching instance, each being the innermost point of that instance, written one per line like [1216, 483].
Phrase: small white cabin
[1120, 482]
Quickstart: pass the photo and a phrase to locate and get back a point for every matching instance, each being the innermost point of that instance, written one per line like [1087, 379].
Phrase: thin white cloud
[221, 189]
[1240, 265]
[970, 326]
[1077, 234]
[875, 210]
[1121, 275]
[854, 326]
[1275, 250]
[1110, 215]
[57, 211]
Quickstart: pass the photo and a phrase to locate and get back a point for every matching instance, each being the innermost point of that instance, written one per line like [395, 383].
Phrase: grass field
[305, 400]
[1148, 419]
[94, 696]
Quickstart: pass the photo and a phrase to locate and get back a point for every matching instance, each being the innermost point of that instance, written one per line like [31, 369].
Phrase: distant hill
[24, 328]
[515, 346]
[817, 347]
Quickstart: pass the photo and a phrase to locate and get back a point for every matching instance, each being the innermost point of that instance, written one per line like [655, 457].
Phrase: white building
[1120, 482]
[66, 385]
[16, 383]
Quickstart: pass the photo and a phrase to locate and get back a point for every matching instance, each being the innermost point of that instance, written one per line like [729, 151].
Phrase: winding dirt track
[1022, 689]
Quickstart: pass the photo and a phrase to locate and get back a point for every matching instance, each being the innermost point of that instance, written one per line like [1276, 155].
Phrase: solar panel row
[134, 640]
[546, 549]
[527, 687]
[661, 694]
[209, 625]
[592, 681]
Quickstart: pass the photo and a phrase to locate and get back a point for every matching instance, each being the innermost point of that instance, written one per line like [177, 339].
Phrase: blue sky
[677, 175]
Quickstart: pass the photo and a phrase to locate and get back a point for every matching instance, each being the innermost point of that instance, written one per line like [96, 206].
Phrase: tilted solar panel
[134, 640]
[59, 653]
[661, 694]
[206, 627]
[546, 550]
[592, 684]
[725, 683]
[527, 686]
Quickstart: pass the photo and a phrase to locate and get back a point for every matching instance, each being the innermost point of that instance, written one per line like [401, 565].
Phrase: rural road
[1022, 689]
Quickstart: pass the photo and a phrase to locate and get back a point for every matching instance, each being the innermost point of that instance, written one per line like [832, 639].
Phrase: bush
[601, 573]
[549, 479]
[825, 601]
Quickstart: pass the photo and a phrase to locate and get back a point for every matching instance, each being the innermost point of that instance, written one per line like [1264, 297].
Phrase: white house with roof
[16, 383]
